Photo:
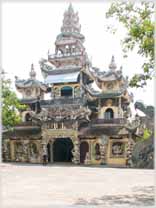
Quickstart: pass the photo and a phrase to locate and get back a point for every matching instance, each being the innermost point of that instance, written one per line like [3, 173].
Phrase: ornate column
[120, 114]
[51, 152]
[129, 150]
[44, 148]
[12, 150]
[43, 143]
[103, 149]
[102, 152]
[76, 152]
[26, 150]
[87, 159]
[88, 156]
[6, 150]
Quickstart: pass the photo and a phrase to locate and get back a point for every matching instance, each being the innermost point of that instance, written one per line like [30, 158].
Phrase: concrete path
[60, 186]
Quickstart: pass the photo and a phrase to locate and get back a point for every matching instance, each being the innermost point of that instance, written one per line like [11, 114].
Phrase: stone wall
[22, 150]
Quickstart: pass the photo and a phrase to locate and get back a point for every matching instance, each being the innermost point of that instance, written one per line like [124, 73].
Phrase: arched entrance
[62, 150]
[84, 148]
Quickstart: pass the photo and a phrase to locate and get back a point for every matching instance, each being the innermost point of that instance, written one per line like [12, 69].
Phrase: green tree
[147, 133]
[10, 105]
[138, 19]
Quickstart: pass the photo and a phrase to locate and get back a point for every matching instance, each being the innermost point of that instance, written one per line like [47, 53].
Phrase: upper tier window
[66, 91]
[109, 114]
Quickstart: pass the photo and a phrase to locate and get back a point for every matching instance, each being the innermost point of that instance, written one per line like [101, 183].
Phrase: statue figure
[87, 159]
[117, 149]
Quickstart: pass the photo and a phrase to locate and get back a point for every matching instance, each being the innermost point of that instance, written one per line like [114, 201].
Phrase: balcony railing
[108, 121]
[53, 56]
[62, 101]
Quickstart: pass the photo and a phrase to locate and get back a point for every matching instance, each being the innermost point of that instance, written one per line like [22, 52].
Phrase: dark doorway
[66, 91]
[84, 148]
[62, 150]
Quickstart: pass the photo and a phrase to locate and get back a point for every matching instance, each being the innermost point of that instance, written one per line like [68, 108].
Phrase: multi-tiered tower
[85, 119]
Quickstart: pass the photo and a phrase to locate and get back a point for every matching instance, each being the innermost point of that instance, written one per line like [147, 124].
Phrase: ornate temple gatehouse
[86, 118]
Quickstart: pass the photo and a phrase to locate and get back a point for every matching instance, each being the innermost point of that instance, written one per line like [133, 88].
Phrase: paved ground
[59, 186]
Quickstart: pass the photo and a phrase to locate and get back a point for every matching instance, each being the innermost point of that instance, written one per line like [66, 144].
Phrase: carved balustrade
[117, 121]
[54, 56]
[61, 101]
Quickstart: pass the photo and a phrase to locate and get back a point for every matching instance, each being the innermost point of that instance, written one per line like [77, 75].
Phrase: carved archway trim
[51, 135]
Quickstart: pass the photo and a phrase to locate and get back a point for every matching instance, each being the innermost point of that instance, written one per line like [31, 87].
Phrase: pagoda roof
[62, 78]
[67, 34]
[97, 92]
[23, 131]
[23, 84]
[64, 70]
[109, 75]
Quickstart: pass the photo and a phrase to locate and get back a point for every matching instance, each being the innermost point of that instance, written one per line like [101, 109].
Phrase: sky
[29, 30]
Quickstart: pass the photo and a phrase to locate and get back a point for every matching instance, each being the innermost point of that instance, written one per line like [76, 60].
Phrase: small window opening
[66, 91]
[109, 114]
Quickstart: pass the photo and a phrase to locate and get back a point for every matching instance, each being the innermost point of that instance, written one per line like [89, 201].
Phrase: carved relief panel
[118, 149]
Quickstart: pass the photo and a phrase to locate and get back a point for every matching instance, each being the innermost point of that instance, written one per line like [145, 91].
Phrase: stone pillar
[102, 152]
[6, 150]
[81, 83]
[12, 150]
[120, 114]
[88, 155]
[129, 150]
[26, 150]
[103, 149]
[76, 153]
[51, 152]
[87, 159]
[43, 149]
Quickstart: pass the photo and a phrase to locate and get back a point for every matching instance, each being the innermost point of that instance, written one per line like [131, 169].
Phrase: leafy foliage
[147, 110]
[138, 20]
[10, 105]
[147, 133]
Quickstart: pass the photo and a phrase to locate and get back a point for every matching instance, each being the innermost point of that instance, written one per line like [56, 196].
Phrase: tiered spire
[112, 65]
[32, 72]
[71, 21]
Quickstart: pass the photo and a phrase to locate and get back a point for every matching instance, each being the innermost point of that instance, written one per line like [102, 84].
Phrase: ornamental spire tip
[32, 72]
[112, 64]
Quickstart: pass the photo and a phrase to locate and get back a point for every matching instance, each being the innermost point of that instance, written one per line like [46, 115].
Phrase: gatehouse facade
[86, 118]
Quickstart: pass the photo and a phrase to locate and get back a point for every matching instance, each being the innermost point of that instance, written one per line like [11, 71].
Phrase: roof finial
[32, 72]
[112, 64]
[70, 8]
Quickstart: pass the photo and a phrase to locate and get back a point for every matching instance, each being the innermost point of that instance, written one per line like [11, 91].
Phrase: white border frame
[52, 1]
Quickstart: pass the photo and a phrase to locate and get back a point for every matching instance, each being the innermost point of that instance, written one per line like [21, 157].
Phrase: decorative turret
[70, 39]
[32, 72]
[71, 21]
[112, 65]
[31, 88]
[69, 53]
